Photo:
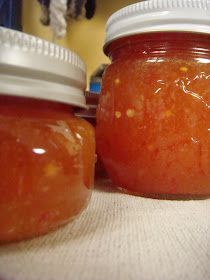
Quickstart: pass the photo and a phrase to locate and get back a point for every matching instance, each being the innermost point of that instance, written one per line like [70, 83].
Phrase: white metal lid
[35, 68]
[159, 15]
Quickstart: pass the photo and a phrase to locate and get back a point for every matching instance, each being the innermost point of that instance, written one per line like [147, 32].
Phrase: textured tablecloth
[119, 237]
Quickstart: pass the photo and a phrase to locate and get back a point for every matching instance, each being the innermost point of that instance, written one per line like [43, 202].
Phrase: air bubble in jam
[183, 69]
[51, 169]
[169, 114]
[117, 81]
[130, 113]
[118, 114]
[165, 148]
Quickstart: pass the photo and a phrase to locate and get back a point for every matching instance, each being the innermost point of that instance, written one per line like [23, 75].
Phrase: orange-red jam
[46, 166]
[153, 122]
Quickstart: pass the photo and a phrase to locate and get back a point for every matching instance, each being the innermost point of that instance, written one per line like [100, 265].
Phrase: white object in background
[58, 10]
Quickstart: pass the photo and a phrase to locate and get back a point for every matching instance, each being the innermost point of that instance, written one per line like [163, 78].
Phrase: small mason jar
[153, 121]
[47, 154]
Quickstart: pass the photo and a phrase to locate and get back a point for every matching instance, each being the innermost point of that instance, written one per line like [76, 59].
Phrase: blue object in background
[95, 87]
[10, 14]
[96, 79]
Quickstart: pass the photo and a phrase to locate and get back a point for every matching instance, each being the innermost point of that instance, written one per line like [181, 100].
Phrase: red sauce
[153, 122]
[46, 166]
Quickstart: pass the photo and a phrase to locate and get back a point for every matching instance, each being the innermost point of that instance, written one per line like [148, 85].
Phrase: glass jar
[47, 154]
[153, 121]
[89, 114]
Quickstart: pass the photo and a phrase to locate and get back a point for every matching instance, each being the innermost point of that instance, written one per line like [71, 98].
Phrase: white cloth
[119, 237]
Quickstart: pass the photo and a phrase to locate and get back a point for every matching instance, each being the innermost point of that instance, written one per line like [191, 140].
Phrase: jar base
[45, 231]
[164, 196]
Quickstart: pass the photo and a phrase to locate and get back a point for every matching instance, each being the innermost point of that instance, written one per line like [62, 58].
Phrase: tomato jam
[47, 154]
[153, 122]
[46, 166]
